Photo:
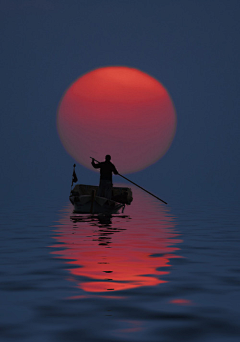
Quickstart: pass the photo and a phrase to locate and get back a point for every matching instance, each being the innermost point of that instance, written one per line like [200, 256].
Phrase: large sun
[119, 111]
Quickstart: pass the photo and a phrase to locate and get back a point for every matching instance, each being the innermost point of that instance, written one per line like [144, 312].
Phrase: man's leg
[108, 190]
[101, 189]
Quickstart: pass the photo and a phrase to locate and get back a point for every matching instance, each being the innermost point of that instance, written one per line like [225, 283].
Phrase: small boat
[86, 201]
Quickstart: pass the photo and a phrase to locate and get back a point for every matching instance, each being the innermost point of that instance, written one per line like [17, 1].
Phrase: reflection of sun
[181, 301]
[123, 254]
[118, 111]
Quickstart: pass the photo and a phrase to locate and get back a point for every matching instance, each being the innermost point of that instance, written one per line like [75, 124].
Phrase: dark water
[154, 273]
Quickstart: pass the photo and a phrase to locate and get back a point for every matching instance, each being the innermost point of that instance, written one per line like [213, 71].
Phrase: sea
[155, 272]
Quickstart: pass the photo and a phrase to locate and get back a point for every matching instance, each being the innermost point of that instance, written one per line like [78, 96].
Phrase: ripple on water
[147, 275]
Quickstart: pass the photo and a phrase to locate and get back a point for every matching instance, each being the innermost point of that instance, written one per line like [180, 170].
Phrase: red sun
[119, 111]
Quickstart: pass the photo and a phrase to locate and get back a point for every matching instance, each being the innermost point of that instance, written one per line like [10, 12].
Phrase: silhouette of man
[106, 170]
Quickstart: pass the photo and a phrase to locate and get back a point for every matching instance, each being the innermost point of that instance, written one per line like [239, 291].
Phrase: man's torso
[106, 170]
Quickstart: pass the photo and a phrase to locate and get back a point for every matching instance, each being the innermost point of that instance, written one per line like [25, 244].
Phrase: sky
[191, 47]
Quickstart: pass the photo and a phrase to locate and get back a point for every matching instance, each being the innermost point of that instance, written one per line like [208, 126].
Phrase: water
[154, 273]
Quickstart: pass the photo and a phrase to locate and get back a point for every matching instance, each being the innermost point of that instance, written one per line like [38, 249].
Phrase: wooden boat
[85, 200]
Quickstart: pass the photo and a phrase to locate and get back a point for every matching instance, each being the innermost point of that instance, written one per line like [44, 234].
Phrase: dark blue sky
[191, 47]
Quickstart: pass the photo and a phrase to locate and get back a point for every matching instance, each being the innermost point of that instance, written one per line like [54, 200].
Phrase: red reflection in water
[120, 252]
[134, 327]
[181, 301]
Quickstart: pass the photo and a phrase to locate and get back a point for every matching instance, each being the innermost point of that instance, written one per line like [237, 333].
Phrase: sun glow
[119, 111]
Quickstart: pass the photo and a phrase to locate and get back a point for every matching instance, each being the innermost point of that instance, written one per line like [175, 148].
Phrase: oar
[137, 185]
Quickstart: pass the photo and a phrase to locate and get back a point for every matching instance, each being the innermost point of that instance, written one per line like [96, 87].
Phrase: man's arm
[115, 171]
[96, 166]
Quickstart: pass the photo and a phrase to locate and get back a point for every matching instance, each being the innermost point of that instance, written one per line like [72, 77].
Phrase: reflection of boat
[85, 200]
[106, 253]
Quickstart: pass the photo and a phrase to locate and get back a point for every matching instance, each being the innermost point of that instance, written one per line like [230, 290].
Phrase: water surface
[153, 273]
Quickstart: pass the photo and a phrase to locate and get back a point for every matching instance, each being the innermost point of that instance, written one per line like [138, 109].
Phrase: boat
[85, 200]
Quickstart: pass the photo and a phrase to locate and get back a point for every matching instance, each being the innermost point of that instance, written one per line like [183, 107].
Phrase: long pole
[137, 185]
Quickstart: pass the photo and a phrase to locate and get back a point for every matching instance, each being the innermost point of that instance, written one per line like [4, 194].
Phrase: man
[106, 171]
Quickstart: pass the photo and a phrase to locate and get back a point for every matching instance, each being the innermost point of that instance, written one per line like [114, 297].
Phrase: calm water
[154, 273]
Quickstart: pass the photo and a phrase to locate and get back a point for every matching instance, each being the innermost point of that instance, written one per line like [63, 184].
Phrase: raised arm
[96, 166]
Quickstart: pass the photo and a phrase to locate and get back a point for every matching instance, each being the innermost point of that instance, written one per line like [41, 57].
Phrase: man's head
[108, 157]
